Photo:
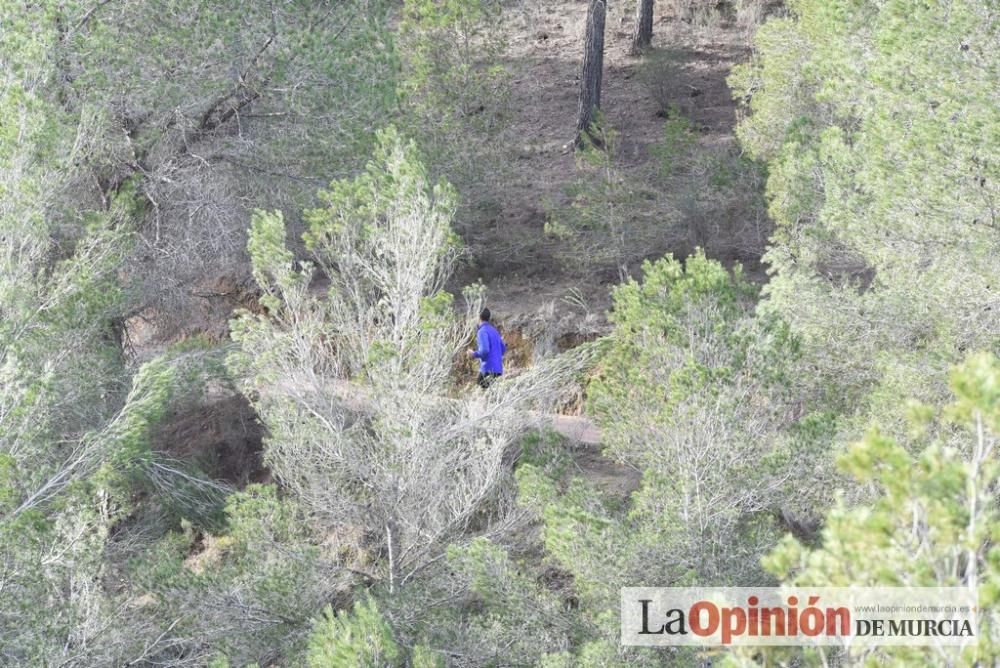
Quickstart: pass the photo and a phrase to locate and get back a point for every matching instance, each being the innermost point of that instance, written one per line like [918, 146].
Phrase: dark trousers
[486, 378]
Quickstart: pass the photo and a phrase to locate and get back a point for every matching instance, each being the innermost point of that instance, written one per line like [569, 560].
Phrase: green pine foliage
[934, 522]
[247, 593]
[835, 426]
[455, 93]
[693, 394]
[362, 637]
[359, 638]
[689, 393]
[198, 113]
[877, 120]
[75, 418]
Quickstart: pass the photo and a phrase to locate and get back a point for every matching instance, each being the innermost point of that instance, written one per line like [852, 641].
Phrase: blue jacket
[491, 349]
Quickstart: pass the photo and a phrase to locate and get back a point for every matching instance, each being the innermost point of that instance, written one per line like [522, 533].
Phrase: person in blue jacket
[491, 349]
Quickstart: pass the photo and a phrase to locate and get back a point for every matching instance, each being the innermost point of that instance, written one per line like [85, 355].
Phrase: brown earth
[529, 289]
[541, 304]
[519, 265]
[219, 433]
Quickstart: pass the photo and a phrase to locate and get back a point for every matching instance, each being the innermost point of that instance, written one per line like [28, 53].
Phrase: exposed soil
[541, 304]
[519, 265]
[611, 478]
[220, 434]
[527, 282]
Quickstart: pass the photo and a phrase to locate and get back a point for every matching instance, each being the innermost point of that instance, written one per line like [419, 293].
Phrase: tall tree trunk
[642, 35]
[593, 69]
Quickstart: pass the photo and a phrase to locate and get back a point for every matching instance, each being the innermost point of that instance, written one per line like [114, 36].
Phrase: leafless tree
[354, 383]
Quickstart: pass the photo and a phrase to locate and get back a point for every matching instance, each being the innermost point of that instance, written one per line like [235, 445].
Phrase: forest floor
[520, 265]
[529, 286]
[543, 303]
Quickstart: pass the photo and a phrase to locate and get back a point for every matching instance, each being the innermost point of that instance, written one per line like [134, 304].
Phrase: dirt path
[576, 428]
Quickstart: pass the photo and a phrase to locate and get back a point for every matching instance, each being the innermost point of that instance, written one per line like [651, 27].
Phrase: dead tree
[593, 69]
[642, 35]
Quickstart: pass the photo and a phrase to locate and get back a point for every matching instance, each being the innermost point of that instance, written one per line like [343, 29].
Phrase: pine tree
[592, 71]
[642, 32]
[933, 523]
[354, 382]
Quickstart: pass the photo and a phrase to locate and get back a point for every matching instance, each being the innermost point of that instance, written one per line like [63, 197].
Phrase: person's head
[484, 315]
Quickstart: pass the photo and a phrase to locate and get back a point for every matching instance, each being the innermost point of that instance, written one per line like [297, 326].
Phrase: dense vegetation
[333, 163]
